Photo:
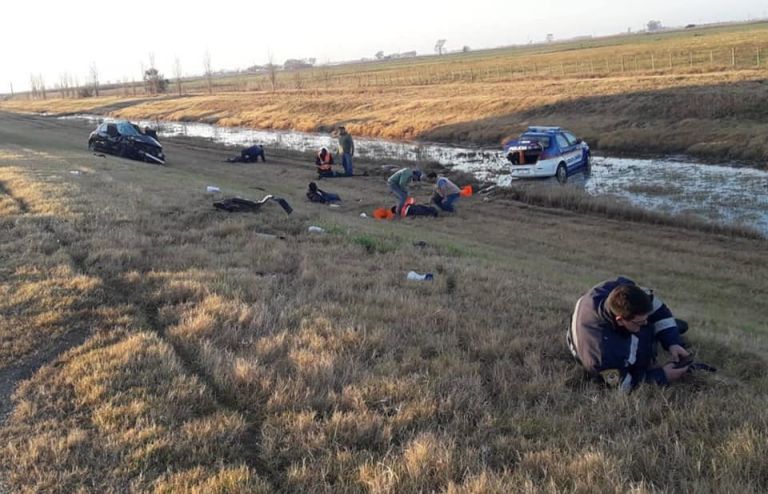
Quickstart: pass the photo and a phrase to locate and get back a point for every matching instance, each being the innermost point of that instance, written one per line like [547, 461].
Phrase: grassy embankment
[223, 360]
[699, 92]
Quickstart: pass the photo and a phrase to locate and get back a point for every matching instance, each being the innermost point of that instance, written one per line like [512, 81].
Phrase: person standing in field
[398, 184]
[614, 331]
[347, 150]
[446, 192]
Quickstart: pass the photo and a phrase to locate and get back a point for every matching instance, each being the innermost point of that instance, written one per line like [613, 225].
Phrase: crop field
[151, 343]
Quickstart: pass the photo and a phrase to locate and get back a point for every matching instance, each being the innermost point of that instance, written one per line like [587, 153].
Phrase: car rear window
[543, 140]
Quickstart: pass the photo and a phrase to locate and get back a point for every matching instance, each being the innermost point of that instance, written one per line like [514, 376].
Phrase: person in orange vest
[324, 162]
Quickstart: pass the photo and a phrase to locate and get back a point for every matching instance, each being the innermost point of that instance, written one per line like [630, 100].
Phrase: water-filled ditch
[724, 194]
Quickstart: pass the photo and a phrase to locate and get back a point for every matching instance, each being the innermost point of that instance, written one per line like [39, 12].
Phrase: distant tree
[154, 82]
[272, 71]
[32, 86]
[95, 79]
[550, 37]
[293, 63]
[208, 71]
[177, 73]
[654, 26]
[379, 55]
[439, 46]
[465, 49]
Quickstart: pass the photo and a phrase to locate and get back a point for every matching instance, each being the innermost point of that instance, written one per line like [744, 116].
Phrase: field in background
[239, 353]
[698, 92]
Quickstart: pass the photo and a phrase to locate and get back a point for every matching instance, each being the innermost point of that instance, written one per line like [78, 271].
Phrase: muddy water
[724, 194]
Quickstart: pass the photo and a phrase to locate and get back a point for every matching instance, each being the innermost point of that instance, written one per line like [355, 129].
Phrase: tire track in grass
[252, 434]
[117, 291]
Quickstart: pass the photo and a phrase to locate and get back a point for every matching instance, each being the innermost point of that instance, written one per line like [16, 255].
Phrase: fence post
[711, 57]
[670, 59]
[653, 63]
[733, 57]
[758, 55]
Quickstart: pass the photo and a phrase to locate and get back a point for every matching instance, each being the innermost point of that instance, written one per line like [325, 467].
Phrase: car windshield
[126, 129]
[542, 140]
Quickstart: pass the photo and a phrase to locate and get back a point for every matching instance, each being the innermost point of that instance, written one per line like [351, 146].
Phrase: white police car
[547, 152]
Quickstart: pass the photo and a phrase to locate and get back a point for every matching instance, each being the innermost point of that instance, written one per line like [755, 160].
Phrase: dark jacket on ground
[610, 352]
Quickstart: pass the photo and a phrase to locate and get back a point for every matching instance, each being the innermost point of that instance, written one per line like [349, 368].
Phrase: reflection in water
[718, 193]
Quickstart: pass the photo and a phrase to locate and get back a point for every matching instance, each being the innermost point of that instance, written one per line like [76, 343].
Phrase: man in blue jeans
[446, 192]
[347, 150]
[398, 184]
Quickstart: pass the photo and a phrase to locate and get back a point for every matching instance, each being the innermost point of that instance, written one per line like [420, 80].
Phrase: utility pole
[11, 90]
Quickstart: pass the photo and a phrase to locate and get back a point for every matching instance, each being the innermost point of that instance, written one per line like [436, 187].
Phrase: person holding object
[614, 331]
[446, 192]
[398, 184]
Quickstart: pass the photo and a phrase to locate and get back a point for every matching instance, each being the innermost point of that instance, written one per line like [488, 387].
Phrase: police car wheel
[561, 173]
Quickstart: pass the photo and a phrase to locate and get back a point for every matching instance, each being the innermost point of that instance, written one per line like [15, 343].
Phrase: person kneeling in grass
[446, 192]
[614, 331]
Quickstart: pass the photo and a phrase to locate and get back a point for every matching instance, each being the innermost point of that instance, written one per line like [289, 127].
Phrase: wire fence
[382, 75]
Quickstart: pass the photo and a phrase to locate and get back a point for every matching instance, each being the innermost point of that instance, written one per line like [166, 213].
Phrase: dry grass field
[699, 92]
[230, 353]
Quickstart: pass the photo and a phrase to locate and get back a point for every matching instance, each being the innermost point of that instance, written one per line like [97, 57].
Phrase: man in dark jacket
[614, 331]
[250, 154]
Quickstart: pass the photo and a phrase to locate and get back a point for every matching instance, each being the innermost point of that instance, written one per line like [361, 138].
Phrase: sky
[52, 38]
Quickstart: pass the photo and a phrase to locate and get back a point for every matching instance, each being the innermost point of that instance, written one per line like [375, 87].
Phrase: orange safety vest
[325, 163]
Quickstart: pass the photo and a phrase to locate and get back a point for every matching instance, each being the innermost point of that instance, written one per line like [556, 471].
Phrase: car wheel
[91, 145]
[588, 165]
[562, 173]
[122, 151]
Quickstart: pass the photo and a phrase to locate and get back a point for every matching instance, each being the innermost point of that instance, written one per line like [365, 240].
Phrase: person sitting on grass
[614, 331]
[446, 192]
[314, 194]
[398, 185]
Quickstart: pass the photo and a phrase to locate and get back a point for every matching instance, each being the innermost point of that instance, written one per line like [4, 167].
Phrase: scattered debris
[420, 243]
[238, 205]
[414, 276]
[315, 229]
[269, 236]
[363, 215]
[75, 172]
[211, 189]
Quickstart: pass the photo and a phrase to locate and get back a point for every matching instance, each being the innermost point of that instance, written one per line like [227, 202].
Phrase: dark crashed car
[128, 141]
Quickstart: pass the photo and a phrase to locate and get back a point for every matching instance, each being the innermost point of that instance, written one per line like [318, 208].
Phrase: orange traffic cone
[466, 191]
